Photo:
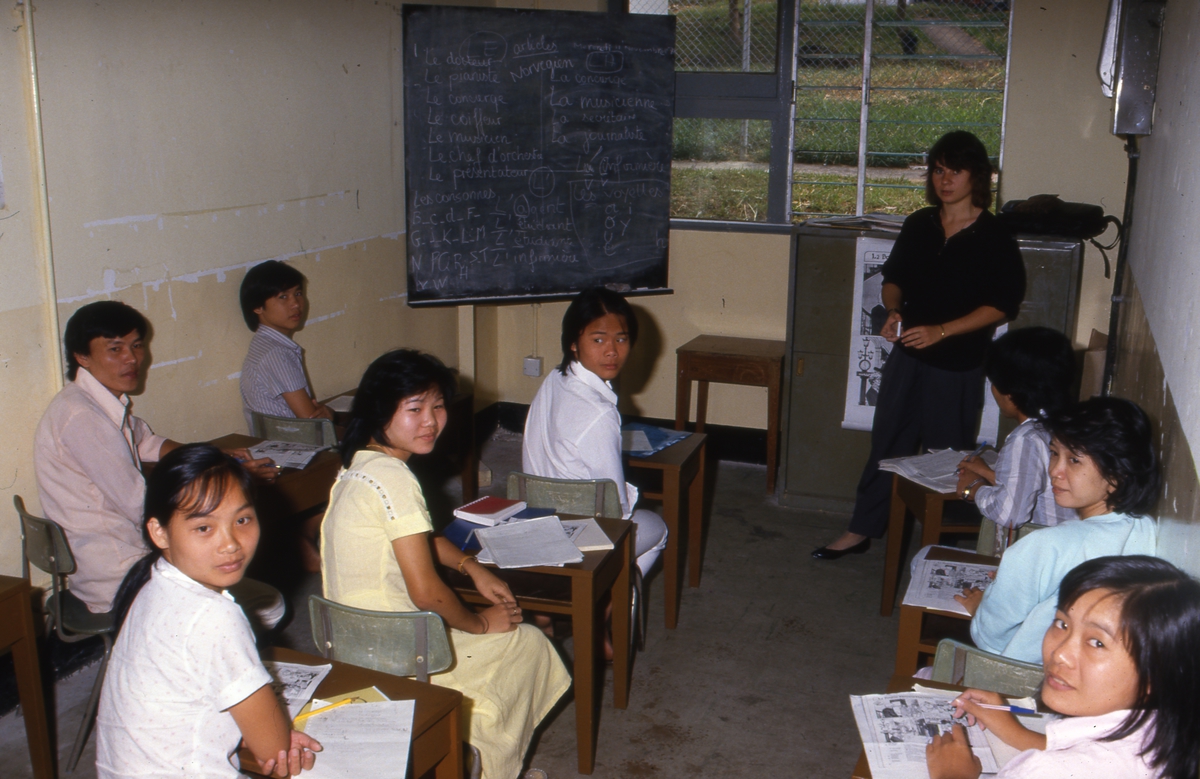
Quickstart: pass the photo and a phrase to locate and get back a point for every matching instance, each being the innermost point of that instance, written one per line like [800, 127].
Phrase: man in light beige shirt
[88, 453]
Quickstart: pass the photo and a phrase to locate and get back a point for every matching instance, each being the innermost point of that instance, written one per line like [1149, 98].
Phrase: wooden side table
[17, 633]
[750, 361]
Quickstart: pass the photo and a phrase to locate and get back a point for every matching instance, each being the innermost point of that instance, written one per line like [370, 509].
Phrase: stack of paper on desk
[896, 728]
[587, 535]
[362, 739]
[936, 470]
[286, 454]
[935, 583]
[526, 544]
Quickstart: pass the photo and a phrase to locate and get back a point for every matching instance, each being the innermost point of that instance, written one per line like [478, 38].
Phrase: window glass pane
[721, 168]
[719, 35]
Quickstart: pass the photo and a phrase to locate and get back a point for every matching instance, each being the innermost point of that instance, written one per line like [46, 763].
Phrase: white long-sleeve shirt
[573, 431]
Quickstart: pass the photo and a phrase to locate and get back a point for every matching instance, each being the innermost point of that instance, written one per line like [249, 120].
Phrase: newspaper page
[935, 583]
[896, 728]
[937, 470]
[287, 454]
[294, 684]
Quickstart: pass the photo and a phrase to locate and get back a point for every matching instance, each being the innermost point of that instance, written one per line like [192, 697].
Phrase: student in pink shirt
[88, 453]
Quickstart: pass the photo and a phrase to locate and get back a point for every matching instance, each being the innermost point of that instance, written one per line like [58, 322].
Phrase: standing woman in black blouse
[953, 275]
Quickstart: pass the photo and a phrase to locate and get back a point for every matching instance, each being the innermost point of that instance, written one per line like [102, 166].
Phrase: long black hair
[961, 150]
[587, 307]
[1160, 627]
[390, 379]
[1116, 434]
[191, 480]
[1035, 366]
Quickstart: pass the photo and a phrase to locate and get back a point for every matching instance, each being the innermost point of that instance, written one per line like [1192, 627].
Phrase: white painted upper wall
[1164, 250]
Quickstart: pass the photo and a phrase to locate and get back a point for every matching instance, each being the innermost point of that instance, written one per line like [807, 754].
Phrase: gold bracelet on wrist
[462, 565]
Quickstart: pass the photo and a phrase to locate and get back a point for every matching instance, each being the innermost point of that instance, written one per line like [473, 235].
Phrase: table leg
[671, 572]
[773, 382]
[29, 691]
[701, 405]
[908, 641]
[696, 519]
[891, 558]
[621, 628]
[583, 626]
[931, 522]
[683, 394]
[451, 766]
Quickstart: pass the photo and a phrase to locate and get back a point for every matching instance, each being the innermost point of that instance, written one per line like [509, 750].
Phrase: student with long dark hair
[185, 684]
[1122, 660]
[573, 430]
[378, 552]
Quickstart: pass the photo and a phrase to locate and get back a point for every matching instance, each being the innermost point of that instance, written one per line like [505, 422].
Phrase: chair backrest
[588, 497]
[958, 663]
[410, 643]
[318, 432]
[986, 545]
[44, 544]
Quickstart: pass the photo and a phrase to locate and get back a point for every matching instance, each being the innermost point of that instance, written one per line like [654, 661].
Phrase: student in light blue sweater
[1103, 465]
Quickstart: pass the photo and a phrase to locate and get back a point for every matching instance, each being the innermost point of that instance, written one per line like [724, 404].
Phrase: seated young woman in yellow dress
[378, 552]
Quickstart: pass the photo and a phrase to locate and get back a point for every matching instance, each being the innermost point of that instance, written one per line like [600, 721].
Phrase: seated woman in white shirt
[573, 430]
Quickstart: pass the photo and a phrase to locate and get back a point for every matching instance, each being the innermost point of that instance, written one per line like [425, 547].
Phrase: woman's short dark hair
[264, 281]
[390, 379]
[1035, 366]
[1160, 627]
[961, 150]
[191, 480]
[587, 307]
[1116, 434]
[103, 319]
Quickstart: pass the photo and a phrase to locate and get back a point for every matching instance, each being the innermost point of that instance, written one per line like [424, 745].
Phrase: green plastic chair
[587, 497]
[44, 544]
[404, 643]
[958, 663]
[318, 432]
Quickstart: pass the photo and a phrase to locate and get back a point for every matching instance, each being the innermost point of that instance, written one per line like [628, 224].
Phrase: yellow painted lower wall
[732, 284]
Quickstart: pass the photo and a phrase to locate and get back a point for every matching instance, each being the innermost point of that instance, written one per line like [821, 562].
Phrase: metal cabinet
[821, 462]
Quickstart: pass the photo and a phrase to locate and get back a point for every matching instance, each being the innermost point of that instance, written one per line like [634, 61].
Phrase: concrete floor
[753, 682]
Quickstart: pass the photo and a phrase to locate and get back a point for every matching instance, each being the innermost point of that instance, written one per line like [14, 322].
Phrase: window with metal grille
[742, 154]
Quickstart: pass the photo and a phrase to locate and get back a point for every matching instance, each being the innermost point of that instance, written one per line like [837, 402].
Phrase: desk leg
[696, 519]
[908, 641]
[621, 627]
[583, 626]
[671, 572]
[891, 558]
[683, 395]
[931, 523]
[701, 405]
[29, 691]
[451, 766]
[773, 382]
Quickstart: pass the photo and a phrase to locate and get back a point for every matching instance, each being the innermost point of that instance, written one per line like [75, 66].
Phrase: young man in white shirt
[88, 453]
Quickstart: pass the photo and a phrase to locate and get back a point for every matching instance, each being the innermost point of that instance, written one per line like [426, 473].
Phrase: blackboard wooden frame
[537, 153]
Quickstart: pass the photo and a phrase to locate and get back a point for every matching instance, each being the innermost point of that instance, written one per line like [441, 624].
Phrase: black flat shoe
[825, 553]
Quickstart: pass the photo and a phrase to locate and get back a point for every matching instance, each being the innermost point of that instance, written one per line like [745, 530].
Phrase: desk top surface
[759, 348]
[10, 585]
[673, 456]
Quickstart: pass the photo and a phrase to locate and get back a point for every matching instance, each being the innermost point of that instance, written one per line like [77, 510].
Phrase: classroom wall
[1057, 138]
[185, 143]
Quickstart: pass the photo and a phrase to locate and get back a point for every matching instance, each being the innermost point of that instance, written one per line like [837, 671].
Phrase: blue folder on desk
[462, 533]
[642, 440]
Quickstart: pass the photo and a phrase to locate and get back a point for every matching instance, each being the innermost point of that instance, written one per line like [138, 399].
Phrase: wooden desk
[921, 629]
[576, 590]
[682, 467]
[296, 491]
[750, 361]
[17, 634]
[437, 719]
[927, 506]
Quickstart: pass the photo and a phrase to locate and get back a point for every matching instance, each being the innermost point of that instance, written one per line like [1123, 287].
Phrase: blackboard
[537, 151]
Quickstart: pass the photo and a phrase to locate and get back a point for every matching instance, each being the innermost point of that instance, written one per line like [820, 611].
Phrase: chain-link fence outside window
[935, 67]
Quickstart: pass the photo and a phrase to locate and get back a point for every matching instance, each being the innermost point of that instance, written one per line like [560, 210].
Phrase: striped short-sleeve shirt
[273, 366]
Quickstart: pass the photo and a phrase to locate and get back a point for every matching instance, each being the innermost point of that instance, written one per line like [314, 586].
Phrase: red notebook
[489, 510]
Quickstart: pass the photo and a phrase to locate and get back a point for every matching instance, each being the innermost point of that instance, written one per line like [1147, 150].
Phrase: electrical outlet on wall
[533, 366]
